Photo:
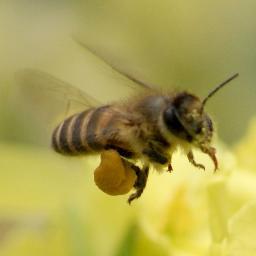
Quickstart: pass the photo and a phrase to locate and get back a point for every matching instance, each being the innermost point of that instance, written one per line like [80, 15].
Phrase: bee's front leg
[192, 160]
[140, 184]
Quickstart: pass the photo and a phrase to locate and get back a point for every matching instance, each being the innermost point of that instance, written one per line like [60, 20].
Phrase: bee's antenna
[217, 88]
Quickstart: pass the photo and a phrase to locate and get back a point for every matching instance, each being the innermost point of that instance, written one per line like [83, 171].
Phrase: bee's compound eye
[112, 176]
[171, 120]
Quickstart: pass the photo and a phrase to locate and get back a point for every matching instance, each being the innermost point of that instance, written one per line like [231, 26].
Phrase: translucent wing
[44, 91]
[110, 63]
[43, 101]
[34, 79]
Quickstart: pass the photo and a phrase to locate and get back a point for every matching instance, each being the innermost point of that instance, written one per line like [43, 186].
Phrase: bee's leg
[140, 184]
[158, 156]
[192, 160]
[155, 155]
[212, 154]
[169, 167]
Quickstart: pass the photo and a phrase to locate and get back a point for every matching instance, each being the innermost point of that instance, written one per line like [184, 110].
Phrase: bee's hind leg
[140, 184]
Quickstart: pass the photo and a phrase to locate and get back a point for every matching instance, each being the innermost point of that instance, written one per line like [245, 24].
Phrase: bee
[148, 127]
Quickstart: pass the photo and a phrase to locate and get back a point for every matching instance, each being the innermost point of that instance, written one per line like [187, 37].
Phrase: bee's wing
[110, 63]
[51, 96]
[32, 78]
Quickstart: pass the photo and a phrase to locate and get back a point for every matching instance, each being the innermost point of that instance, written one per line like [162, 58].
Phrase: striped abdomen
[89, 131]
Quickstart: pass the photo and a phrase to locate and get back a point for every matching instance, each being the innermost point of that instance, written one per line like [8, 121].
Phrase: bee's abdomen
[67, 138]
[82, 133]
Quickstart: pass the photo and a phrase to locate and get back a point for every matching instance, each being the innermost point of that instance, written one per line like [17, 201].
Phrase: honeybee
[148, 127]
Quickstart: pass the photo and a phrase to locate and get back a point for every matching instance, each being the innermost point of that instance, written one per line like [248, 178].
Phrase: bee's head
[185, 118]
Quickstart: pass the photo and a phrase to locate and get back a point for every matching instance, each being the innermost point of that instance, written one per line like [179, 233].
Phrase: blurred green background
[50, 201]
